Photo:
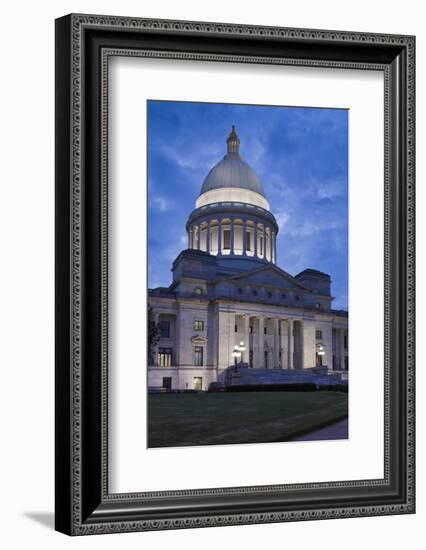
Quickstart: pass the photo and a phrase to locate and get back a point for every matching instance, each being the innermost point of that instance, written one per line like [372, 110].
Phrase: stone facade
[228, 292]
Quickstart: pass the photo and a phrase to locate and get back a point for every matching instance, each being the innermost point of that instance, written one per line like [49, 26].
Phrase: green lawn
[176, 420]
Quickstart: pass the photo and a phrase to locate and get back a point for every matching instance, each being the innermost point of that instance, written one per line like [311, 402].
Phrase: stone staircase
[243, 375]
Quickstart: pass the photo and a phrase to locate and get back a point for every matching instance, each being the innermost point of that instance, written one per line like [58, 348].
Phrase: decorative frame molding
[84, 43]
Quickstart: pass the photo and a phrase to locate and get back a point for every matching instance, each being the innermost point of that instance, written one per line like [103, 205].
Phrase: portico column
[290, 343]
[342, 348]
[232, 237]
[261, 342]
[244, 238]
[255, 240]
[219, 237]
[208, 237]
[276, 343]
[247, 338]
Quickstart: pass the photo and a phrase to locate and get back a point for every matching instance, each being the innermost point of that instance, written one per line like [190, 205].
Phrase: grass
[176, 420]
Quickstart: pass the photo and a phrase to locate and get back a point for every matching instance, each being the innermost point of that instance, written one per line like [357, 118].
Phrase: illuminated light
[232, 194]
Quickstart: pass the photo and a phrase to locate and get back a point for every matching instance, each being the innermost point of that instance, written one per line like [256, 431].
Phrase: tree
[153, 335]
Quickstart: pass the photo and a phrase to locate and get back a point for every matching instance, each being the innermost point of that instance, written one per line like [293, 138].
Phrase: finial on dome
[233, 142]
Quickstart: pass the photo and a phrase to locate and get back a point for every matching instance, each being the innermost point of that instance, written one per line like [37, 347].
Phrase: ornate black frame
[83, 45]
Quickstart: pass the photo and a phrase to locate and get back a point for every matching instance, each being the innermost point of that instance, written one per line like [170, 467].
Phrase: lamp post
[238, 353]
[242, 348]
[235, 354]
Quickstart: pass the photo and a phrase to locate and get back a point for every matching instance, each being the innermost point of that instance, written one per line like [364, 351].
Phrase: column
[290, 343]
[247, 338]
[308, 344]
[342, 348]
[264, 242]
[219, 237]
[272, 247]
[190, 244]
[276, 343]
[327, 340]
[261, 343]
[199, 237]
[232, 224]
[208, 237]
[244, 238]
[255, 240]
[225, 338]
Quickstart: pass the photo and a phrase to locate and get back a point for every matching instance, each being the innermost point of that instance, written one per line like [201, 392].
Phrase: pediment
[271, 276]
[198, 340]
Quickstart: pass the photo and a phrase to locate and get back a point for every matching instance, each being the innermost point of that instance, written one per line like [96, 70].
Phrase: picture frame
[84, 504]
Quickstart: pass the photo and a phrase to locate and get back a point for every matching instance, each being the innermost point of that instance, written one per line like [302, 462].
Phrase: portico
[272, 341]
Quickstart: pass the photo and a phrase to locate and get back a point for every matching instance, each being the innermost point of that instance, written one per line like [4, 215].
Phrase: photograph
[247, 260]
[234, 274]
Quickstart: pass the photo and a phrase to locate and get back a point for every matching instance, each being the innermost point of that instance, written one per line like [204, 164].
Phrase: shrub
[272, 387]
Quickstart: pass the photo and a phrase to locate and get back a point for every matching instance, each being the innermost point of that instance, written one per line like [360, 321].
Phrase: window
[297, 298]
[240, 290]
[251, 329]
[269, 294]
[248, 241]
[318, 305]
[279, 329]
[165, 357]
[198, 356]
[226, 239]
[254, 292]
[283, 296]
[199, 325]
[318, 334]
[164, 327]
[235, 328]
[265, 330]
[345, 341]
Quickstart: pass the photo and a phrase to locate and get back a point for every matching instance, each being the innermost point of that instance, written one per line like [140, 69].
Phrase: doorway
[167, 383]
[198, 383]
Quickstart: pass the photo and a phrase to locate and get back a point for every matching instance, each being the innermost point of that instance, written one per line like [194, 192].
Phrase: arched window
[198, 290]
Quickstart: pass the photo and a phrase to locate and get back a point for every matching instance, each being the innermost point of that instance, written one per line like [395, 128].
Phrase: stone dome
[232, 171]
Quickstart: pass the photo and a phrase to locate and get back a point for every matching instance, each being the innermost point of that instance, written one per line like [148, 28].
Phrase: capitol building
[229, 301]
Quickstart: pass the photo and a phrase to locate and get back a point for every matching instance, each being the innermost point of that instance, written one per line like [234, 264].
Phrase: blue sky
[299, 154]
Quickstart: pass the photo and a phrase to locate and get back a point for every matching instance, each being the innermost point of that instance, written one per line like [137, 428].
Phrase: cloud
[160, 203]
[282, 218]
[331, 189]
[193, 161]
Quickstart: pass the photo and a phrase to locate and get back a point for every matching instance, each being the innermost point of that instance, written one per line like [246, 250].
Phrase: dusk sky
[300, 156]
